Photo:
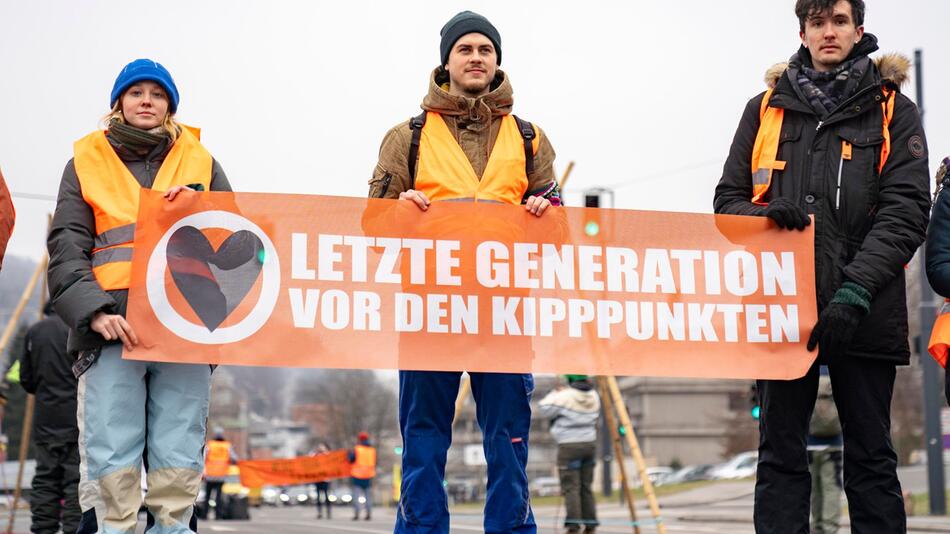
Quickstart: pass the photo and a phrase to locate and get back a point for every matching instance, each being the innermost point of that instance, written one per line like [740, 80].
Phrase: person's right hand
[418, 197]
[113, 327]
[787, 214]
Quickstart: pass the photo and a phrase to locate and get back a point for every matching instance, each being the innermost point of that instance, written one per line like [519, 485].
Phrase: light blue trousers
[128, 409]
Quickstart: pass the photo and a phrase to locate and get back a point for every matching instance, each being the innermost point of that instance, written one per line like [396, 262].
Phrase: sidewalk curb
[713, 518]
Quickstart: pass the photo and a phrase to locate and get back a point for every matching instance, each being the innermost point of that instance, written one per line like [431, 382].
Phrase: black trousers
[56, 480]
[575, 464]
[862, 391]
[214, 494]
[323, 498]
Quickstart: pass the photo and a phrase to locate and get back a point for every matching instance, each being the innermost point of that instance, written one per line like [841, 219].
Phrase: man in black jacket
[870, 213]
[46, 372]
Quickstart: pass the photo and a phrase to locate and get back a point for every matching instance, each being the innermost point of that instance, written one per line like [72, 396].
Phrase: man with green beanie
[574, 412]
[466, 146]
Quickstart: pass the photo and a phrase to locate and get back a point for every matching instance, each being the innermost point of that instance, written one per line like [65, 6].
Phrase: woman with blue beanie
[128, 409]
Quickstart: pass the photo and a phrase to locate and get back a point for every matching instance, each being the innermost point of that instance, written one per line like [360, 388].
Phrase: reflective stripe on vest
[765, 149]
[218, 459]
[939, 344]
[445, 173]
[364, 466]
[113, 194]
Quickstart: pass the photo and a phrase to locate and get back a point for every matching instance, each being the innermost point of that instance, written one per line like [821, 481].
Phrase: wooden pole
[618, 450]
[11, 324]
[30, 401]
[565, 176]
[637, 454]
[460, 400]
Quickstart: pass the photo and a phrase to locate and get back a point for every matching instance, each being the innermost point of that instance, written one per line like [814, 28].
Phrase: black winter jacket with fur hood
[881, 219]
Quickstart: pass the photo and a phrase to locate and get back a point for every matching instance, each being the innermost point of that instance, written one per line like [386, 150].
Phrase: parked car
[739, 466]
[270, 495]
[691, 473]
[545, 486]
[659, 474]
[295, 495]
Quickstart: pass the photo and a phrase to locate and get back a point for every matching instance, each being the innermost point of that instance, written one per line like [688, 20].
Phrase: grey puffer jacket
[574, 410]
[75, 293]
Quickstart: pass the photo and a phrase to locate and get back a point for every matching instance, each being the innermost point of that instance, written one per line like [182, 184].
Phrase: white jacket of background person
[573, 412]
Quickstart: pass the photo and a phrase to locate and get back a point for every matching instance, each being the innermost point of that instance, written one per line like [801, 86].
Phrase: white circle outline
[169, 317]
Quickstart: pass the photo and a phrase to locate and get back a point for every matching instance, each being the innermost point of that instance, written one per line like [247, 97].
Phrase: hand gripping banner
[334, 282]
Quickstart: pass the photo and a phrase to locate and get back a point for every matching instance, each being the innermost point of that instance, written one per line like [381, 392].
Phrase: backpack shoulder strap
[528, 134]
[415, 124]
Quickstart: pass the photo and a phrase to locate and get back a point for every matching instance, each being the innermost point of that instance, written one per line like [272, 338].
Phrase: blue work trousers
[125, 408]
[426, 409]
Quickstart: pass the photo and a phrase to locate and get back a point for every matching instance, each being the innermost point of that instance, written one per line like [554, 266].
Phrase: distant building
[275, 438]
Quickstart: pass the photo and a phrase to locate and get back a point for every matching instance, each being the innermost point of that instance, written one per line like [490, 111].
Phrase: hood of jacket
[893, 67]
[496, 103]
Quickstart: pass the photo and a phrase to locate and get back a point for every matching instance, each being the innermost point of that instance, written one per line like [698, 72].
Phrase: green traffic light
[592, 229]
[397, 450]
[756, 411]
[622, 430]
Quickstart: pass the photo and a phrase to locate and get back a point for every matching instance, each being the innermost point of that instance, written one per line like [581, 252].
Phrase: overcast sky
[296, 96]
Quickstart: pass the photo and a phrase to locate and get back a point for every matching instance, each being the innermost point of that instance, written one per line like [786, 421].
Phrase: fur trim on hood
[894, 68]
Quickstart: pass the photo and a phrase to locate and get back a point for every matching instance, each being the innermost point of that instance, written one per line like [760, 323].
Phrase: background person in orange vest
[123, 404]
[848, 148]
[46, 372]
[467, 146]
[363, 458]
[219, 457]
[938, 263]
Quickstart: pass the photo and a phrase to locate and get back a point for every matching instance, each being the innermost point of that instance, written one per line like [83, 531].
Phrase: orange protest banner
[315, 281]
[291, 471]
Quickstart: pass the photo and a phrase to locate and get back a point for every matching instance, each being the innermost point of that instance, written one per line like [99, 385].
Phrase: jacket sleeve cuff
[854, 295]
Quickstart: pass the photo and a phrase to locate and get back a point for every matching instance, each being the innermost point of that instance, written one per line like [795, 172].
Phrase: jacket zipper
[838, 188]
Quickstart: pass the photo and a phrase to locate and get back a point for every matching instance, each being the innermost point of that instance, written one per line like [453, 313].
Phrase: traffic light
[754, 401]
[398, 450]
[622, 430]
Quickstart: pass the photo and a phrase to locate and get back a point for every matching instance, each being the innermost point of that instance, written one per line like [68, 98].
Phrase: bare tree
[355, 401]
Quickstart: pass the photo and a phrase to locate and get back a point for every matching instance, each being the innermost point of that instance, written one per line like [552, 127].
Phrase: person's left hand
[537, 205]
[173, 192]
[835, 328]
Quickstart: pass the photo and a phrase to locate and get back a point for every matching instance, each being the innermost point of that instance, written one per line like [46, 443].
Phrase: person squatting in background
[574, 413]
[125, 406]
[835, 139]
[46, 372]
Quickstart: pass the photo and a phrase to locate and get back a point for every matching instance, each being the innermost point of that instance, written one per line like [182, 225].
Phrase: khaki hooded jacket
[475, 123]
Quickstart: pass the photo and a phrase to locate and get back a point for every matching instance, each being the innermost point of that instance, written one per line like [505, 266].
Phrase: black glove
[787, 214]
[839, 320]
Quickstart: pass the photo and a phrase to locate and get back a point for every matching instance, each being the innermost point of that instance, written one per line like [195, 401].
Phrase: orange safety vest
[765, 149]
[364, 466]
[218, 459]
[940, 336]
[445, 173]
[113, 193]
